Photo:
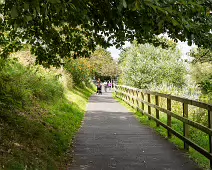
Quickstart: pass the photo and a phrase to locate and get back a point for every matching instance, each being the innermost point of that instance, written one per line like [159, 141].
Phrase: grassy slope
[40, 139]
[197, 157]
[36, 132]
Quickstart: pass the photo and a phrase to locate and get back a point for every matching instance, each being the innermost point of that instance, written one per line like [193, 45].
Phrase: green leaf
[118, 45]
[34, 12]
[160, 24]
[174, 22]
[137, 5]
[28, 18]
[189, 42]
[14, 12]
[54, 1]
[15, 26]
[72, 6]
[26, 6]
[2, 1]
[38, 9]
[124, 4]
[58, 8]
[152, 6]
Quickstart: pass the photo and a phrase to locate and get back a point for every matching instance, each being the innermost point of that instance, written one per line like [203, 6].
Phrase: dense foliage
[57, 29]
[16, 88]
[81, 70]
[40, 112]
[202, 74]
[202, 68]
[145, 65]
[103, 63]
[99, 65]
[201, 55]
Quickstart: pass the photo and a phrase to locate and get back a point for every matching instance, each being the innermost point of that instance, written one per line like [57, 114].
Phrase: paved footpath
[112, 138]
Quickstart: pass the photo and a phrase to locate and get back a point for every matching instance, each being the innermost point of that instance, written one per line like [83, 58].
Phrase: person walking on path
[109, 85]
[99, 86]
[105, 86]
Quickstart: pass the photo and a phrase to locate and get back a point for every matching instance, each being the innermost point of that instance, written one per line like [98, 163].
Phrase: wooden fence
[136, 99]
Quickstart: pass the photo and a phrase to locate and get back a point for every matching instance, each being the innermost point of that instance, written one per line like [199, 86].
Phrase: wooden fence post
[185, 126]
[142, 107]
[169, 106]
[128, 91]
[133, 96]
[157, 111]
[210, 137]
[142, 96]
[127, 97]
[122, 95]
[137, 102]
[130, 95]
[149, 107]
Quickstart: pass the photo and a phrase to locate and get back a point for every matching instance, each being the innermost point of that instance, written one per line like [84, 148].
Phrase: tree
[81, 70]
[162, 41]
[57, 29]
[201, 55]
[202, 68]
[103, 64]
[146, 65]
[202, 74]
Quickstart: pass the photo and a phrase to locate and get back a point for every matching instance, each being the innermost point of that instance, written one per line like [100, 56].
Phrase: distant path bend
[112, 138]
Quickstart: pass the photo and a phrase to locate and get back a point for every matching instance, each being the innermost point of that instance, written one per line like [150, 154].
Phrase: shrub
[20, 84]
[202, 74]
[145, 64]
[81, 71]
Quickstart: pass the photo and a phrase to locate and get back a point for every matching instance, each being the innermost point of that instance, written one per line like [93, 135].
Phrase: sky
[181, 45]
[115, 52]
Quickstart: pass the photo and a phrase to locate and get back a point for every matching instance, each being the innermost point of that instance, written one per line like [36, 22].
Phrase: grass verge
[41, 137]
[39, 117]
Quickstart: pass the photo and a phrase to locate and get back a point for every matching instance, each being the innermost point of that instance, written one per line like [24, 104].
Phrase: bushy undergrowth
[19, 85]
[202, 74]
[40, 112]
[81, 70]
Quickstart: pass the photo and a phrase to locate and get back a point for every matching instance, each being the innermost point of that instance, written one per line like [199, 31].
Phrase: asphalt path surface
[112, 138]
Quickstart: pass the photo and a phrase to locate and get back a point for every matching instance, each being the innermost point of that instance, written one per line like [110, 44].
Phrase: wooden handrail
[172, 97]
[185, 120]
[131, 96]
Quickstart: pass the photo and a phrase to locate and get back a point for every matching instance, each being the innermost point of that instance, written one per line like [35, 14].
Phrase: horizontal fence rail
[136, 99]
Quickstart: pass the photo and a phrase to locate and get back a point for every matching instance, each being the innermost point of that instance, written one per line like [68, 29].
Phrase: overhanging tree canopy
[201, 55]
[62, 28]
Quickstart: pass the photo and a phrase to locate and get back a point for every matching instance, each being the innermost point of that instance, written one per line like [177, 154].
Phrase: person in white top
[105, 86]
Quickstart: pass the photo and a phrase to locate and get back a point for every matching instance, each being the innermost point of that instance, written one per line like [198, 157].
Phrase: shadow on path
[112, 138]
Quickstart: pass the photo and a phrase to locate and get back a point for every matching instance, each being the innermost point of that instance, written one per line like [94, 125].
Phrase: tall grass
[40, 112]
[19, 85]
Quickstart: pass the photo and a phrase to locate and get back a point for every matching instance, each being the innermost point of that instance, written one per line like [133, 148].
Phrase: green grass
[39, 118]
[200, 139]
[40, 138]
